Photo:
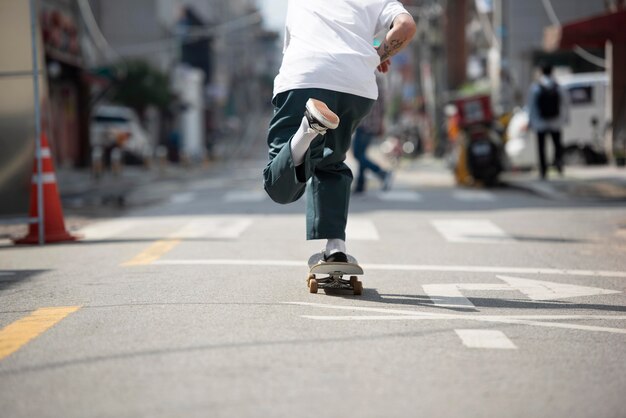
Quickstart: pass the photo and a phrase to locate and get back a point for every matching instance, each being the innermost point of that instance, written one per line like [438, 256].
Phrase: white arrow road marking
[485, 338]
[449, 295]
[471, 231]
[405, 267]
[407, 315]
[542, 290]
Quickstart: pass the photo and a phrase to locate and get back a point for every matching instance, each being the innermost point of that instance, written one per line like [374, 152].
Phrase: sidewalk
[604, 183]
[133, 187]
[589, 183]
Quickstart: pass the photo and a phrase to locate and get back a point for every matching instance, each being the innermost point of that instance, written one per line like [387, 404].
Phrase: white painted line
[471, 231]
[182, 198]
[431, 315]
[247, 196]
[474, 196]
[3, 273]
[409, 267]
[489, 318]
[404, 315]
[485, 338]
[400, 196]
[215, 228]
[252, 263]
[107, 229]
[361, 230]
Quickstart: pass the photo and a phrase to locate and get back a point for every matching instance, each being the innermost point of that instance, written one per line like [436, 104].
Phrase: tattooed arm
[399, 36]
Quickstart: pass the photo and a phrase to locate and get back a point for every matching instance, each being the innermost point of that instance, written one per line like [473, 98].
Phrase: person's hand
[384, 66]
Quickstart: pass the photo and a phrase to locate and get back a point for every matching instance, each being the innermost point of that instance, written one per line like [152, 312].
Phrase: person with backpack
[371, 127]
[548, 111]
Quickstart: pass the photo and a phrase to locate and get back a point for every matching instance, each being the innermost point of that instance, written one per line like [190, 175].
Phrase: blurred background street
[177, 287]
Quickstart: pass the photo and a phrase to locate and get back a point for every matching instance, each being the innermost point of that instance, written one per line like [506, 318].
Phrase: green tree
[139, 85]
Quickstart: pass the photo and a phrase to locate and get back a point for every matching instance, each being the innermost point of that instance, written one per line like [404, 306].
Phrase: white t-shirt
[329, 45]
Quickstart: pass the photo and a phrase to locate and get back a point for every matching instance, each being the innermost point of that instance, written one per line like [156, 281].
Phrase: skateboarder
[325, 86]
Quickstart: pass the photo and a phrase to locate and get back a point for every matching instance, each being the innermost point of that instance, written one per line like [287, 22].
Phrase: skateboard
[335, 272]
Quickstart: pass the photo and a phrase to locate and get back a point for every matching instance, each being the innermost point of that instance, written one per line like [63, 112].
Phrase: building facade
[522, 32]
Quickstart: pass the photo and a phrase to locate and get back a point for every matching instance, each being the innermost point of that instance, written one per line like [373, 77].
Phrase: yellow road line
[20, 332]
[153, 253]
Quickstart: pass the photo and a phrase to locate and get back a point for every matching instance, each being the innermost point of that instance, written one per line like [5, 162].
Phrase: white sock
[335, 246]
[301, 141]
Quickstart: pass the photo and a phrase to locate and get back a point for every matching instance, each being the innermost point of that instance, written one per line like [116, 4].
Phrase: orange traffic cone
[54, 226]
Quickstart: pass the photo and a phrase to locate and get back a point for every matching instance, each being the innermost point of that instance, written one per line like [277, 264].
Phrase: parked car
[583, 137]
[119, 127]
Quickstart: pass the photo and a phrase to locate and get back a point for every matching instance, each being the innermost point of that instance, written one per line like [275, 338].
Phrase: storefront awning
[592, 32]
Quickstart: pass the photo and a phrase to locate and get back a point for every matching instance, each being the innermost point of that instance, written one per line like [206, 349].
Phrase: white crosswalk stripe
[107, 229]
[182, 198]
[245, 196]
[483, 338]
[474, 196]
[358, 229]
[361, 230]
[400, 196]
[214, 227]
[471, 231]
[217, 228]
[406, 196]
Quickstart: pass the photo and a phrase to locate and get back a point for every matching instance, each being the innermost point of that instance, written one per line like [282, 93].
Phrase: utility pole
[38, 149]
[495, 56]
[456, 43]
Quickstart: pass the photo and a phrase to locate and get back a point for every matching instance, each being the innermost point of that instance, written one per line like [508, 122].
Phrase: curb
[588, 190]
[541, 190]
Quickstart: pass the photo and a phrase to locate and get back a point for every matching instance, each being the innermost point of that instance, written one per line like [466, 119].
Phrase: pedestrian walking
[371, 126]
[325, 86]
[548, 109]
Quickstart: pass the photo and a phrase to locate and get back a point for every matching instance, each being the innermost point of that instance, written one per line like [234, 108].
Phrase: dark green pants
[324, 175]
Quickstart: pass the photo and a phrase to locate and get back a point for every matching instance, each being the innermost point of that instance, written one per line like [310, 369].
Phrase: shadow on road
[10, 278]
[372, 295]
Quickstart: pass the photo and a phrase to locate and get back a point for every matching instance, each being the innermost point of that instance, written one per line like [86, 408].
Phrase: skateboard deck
[335, 272]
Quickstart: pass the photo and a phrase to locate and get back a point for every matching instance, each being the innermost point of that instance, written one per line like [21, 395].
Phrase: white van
[583, 137]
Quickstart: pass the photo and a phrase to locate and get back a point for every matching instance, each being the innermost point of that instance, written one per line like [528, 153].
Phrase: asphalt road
[476, 304]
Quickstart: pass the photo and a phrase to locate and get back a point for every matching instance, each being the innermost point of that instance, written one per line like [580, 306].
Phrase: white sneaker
[320, 117]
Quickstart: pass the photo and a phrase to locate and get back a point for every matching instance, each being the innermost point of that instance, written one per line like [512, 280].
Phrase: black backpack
[549, 101]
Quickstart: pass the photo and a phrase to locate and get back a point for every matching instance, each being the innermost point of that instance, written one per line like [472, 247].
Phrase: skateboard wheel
[353, 280]
[309, 278]
[358, 288]
[313, 286]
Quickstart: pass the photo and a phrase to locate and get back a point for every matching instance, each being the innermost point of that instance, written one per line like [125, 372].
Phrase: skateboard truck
[335, 281]
[335, 272]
